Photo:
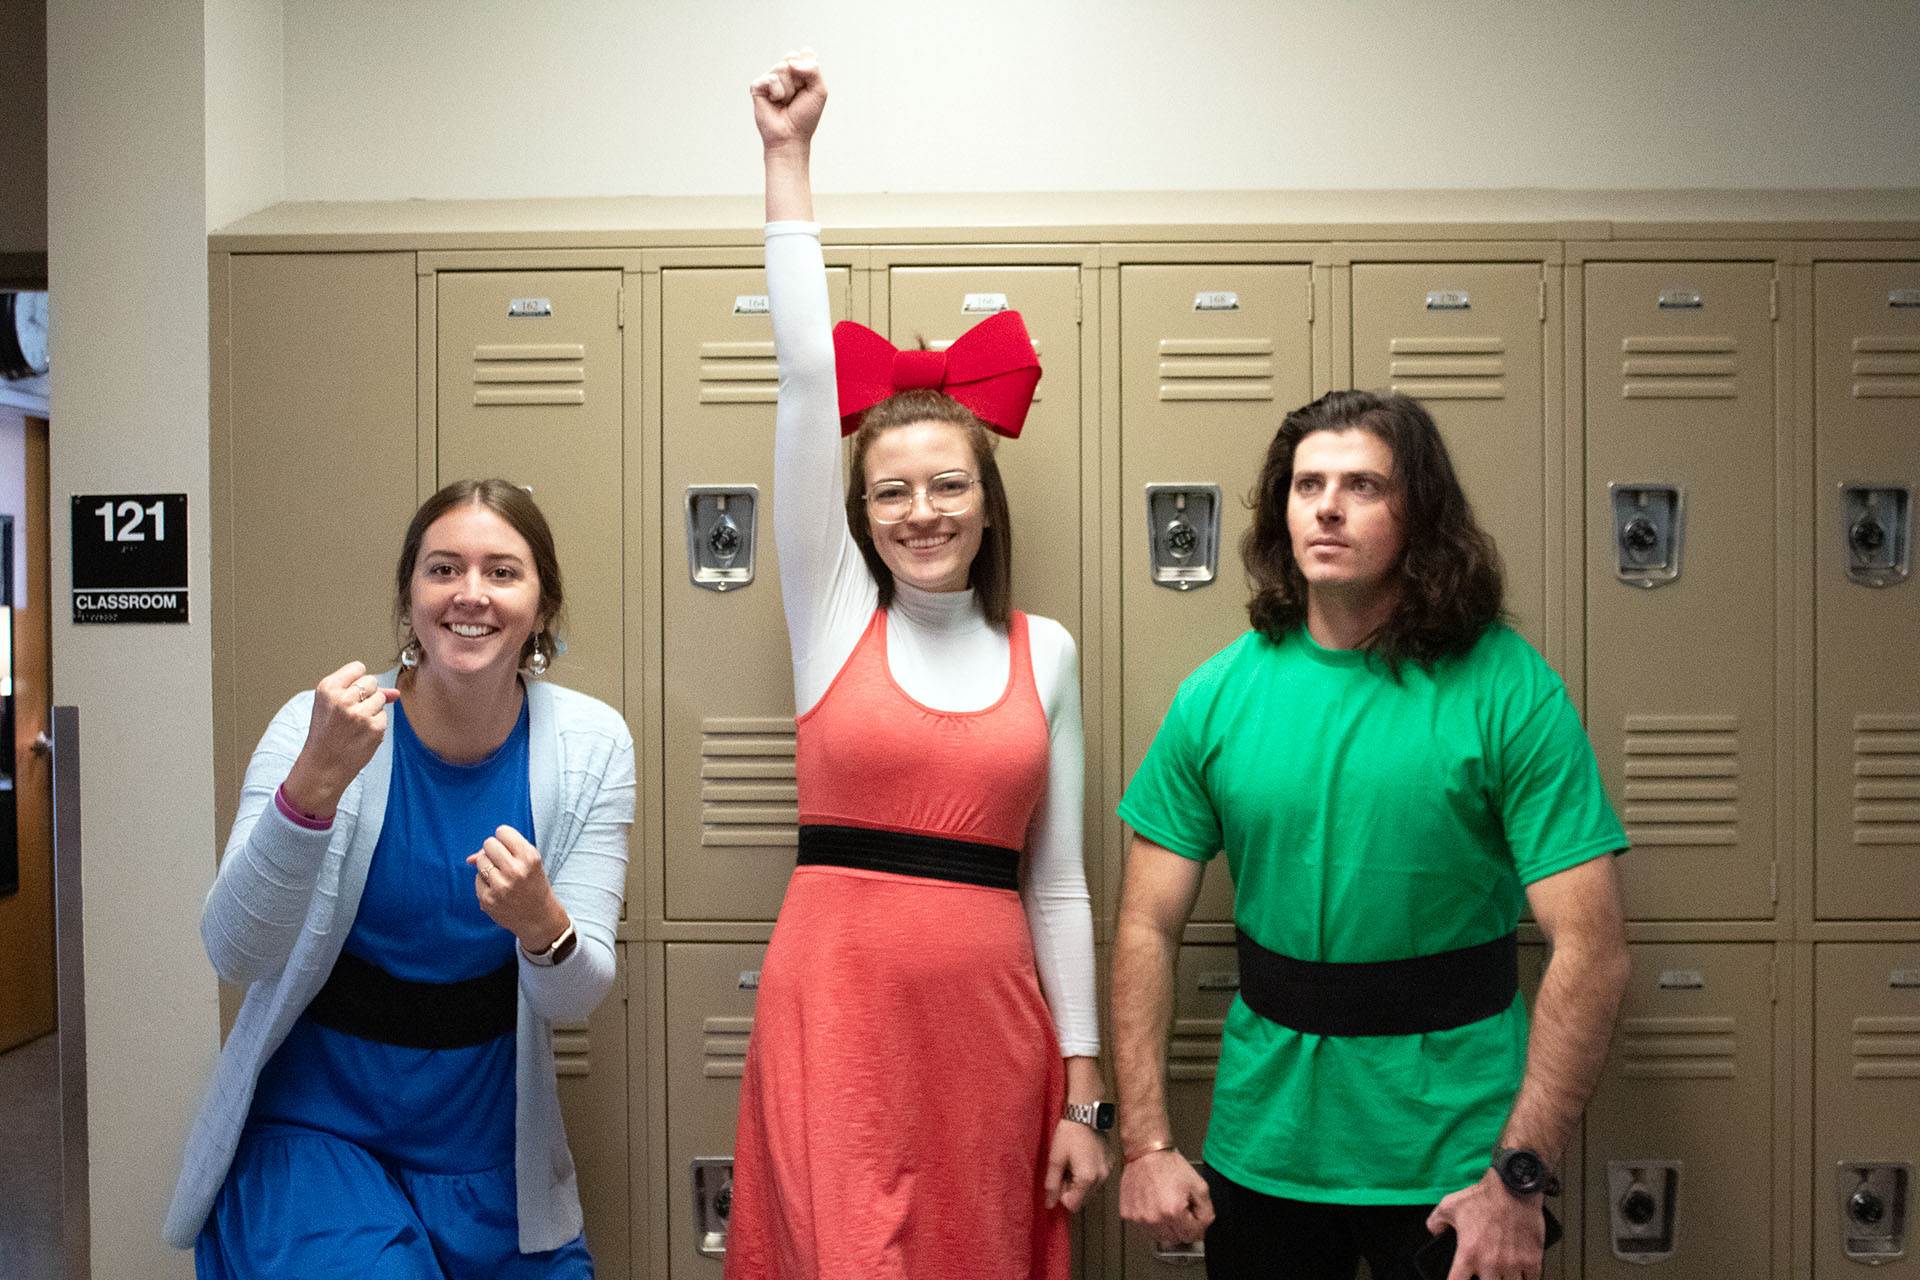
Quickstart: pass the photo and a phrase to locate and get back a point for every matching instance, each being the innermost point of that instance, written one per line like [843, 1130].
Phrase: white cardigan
[285, 898]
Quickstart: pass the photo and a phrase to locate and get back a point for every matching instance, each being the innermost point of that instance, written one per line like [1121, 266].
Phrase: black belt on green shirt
[364, 1000]
[1380, 997]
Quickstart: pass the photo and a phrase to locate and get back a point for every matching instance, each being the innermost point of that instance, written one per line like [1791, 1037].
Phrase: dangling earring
[537, 660]
[413, 651]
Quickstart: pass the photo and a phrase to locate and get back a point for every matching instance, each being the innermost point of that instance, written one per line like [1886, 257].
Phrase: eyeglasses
[948, 494]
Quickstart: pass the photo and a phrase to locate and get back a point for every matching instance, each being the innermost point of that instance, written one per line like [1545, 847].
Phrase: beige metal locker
[321, 472]
[710, 995]
[1467, 339]
[529, 388]
[1683, 542]
[1212, 358]
[1678, 1165]
[730, 804]
[1205, 980]
[592, 1060]
[1866, 1111]
[1867, 607]
[935, 305]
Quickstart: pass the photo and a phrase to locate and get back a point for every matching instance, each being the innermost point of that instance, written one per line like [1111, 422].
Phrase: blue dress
[366, 1160]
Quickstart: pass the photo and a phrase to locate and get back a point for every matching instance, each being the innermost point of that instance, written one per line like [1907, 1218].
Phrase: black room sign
[130, 557]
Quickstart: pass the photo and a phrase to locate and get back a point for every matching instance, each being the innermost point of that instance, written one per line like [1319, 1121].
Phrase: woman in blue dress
[425, 873]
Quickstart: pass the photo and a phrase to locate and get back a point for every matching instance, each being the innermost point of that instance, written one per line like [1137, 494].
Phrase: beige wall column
[128, 269]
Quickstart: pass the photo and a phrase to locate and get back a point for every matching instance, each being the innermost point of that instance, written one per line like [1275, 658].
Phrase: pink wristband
[298, 817]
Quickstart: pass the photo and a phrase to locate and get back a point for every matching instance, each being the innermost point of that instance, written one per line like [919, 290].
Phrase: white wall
[479, 98]
[246, 151]
[127, 261]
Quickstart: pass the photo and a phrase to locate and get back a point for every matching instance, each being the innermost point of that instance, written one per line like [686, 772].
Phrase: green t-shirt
[1368, 819]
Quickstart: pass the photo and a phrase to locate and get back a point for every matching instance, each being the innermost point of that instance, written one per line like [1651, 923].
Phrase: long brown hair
[1451, 587]
[514, 505]
[991, 574]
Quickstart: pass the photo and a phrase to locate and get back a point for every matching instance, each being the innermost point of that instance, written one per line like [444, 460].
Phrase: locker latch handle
[1180, 1255]
[1176, 1254]
[712, 1204]
[1647, 520]
[1877, 525]
[1873, 1210]
[1183, 534]
[1643, 1208]
[720, 535]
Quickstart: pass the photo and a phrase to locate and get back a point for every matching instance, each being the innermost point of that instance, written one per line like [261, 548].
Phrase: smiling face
[474, 598]
[1342, 515]
[927, 550]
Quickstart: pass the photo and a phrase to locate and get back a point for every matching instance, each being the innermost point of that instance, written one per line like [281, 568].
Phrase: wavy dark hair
[1451, 585]
[512, 504]
[991, 575]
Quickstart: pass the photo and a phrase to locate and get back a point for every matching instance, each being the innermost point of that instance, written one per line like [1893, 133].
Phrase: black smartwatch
[1523, 1172]
[1097, 1116]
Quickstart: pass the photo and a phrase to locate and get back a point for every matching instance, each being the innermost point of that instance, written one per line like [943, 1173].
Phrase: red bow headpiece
[991, 369]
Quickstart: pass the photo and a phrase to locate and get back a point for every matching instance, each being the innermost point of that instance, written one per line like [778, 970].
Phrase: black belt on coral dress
[910, 854]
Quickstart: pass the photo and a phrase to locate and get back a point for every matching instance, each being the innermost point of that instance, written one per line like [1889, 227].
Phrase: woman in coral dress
[926, 1010]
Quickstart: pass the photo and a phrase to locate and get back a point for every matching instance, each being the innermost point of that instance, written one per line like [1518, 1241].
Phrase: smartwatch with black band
[1097, 1116]
[559, 949]
[1523, 1172]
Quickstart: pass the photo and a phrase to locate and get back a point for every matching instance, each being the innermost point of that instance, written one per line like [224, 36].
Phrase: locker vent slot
[941, 344]
[1216, 369]
[523, 373]
[1448, 368]
[748, 795]
[723, 1047]
[1675, 368]
[1886, 367]
[570, 1049]
[1886, 771]
[738, 373]
[1193, 1052]
[1682, 780]
[1886, 1048]
[1677, 1048]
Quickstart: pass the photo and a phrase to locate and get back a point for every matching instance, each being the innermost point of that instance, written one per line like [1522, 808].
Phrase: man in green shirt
[1393, 774]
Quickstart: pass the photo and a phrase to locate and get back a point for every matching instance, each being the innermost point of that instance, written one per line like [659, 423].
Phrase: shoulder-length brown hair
[514, 505]
[1450, 581]
[991, 575]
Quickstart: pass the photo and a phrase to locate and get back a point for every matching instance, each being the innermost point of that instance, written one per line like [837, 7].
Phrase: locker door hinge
[620, 308]
[1773, 882]
[1309, 295]
[1773, 979]
[1079, 287]
[1773, 298]
[1543, 299]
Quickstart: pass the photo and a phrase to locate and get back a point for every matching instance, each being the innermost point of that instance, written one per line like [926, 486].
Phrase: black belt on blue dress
[362, 999]
[910, 854]
[1380, 997]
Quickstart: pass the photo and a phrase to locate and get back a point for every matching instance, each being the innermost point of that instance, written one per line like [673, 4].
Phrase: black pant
[1262, 1237]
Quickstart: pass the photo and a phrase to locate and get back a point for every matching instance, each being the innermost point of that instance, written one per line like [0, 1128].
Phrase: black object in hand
[1432, 1260]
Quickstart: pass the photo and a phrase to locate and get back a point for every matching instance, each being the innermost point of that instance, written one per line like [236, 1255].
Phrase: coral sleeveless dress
[903, 1079]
